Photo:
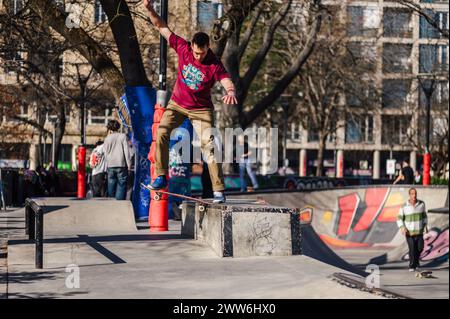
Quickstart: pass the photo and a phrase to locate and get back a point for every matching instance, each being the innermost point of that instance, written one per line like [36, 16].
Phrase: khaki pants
[201, 120]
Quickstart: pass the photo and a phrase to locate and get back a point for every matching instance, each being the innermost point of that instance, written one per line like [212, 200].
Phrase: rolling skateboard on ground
[424, 274]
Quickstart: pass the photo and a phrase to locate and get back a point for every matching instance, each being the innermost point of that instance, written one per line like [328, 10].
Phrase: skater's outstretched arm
[157, 21]
[228, 85]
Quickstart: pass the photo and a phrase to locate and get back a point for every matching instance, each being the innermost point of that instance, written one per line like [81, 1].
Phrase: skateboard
[158, 196]
[424, 274]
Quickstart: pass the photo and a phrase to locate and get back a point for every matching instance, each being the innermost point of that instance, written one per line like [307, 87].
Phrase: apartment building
[24, 146]
[404, 45]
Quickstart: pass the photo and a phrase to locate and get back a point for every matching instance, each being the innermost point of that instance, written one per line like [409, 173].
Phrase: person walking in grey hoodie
[118, 160]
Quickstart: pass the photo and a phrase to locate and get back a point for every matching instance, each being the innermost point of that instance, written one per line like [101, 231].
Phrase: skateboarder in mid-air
[412, 221]
[198, 70]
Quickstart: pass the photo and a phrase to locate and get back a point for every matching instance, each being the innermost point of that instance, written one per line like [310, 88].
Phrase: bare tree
[228, 39]
[258, 22]
[337, 84]
[39, 75]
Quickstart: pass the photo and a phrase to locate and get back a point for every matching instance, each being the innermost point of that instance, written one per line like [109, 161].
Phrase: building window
[363, 21]
[12, 152]
[362, 55]
[427, 31]
[99, 13]
[397, 23]
[396, 93]
[395, 129]
[359, 129]
[16, 113]
[99, 115]
[295, 132]
[313, 134]
[207, 13]
[51, 116]
[433, 58]
[13, 59]
[439, 99]
[397, 58]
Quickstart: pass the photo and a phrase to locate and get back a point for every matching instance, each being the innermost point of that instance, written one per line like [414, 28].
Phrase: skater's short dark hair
[113, 125]
[98, 143]
[201, 39]
[412, 189]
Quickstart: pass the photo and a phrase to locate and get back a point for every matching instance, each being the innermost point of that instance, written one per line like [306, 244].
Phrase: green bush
[438, 181]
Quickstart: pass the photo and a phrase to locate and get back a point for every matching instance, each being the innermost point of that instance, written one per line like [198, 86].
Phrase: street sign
[390, 167]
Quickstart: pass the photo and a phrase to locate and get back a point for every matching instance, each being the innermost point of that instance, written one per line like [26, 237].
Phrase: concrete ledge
[244, 230]
[70, 216]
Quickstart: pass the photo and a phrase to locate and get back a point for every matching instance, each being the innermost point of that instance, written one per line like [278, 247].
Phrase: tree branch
[249, 32]
[258, 60]
[236, 12]
[86, 45]
[290, 74]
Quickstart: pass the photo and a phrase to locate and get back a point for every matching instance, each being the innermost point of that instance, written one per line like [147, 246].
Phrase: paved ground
[143, 265]
[396, 277]
[11, 224]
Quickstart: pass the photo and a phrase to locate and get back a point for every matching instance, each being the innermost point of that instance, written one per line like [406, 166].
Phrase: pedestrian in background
[412, 221]
[417, 178]
[245, 165]
[406, 175]
[118, 160]
[97, 162]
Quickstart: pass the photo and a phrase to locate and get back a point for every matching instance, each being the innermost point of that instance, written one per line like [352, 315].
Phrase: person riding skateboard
[412, 221]
[198, 70]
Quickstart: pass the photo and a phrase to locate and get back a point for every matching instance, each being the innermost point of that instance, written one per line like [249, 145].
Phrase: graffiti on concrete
[358, 218]
[368, 220]
[435, 245]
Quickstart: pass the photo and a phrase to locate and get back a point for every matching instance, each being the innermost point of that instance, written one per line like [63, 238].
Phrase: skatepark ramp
[312, 246]
[364, 219]
[72, 216]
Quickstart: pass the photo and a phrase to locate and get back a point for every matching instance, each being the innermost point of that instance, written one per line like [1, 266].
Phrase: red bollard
[158, 218]
[81, 185]
[426, 168]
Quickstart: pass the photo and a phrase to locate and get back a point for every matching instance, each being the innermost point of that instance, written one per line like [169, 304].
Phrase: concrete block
[244, 230]
[188, 219]
[70, 216]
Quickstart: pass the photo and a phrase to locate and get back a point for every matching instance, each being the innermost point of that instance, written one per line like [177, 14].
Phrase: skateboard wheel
[201, 208]
[157, 197]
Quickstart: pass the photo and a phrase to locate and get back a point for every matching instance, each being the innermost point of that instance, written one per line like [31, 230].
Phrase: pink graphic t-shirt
[194, 81]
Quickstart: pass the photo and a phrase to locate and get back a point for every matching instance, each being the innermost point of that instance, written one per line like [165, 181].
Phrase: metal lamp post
[428, 85]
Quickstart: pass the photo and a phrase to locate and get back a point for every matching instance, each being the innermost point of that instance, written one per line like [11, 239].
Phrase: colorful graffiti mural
[435, 245]
[371, 220]
[357, 218]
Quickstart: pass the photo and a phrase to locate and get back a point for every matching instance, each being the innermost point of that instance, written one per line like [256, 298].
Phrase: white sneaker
[411, 269]
[219, 197]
